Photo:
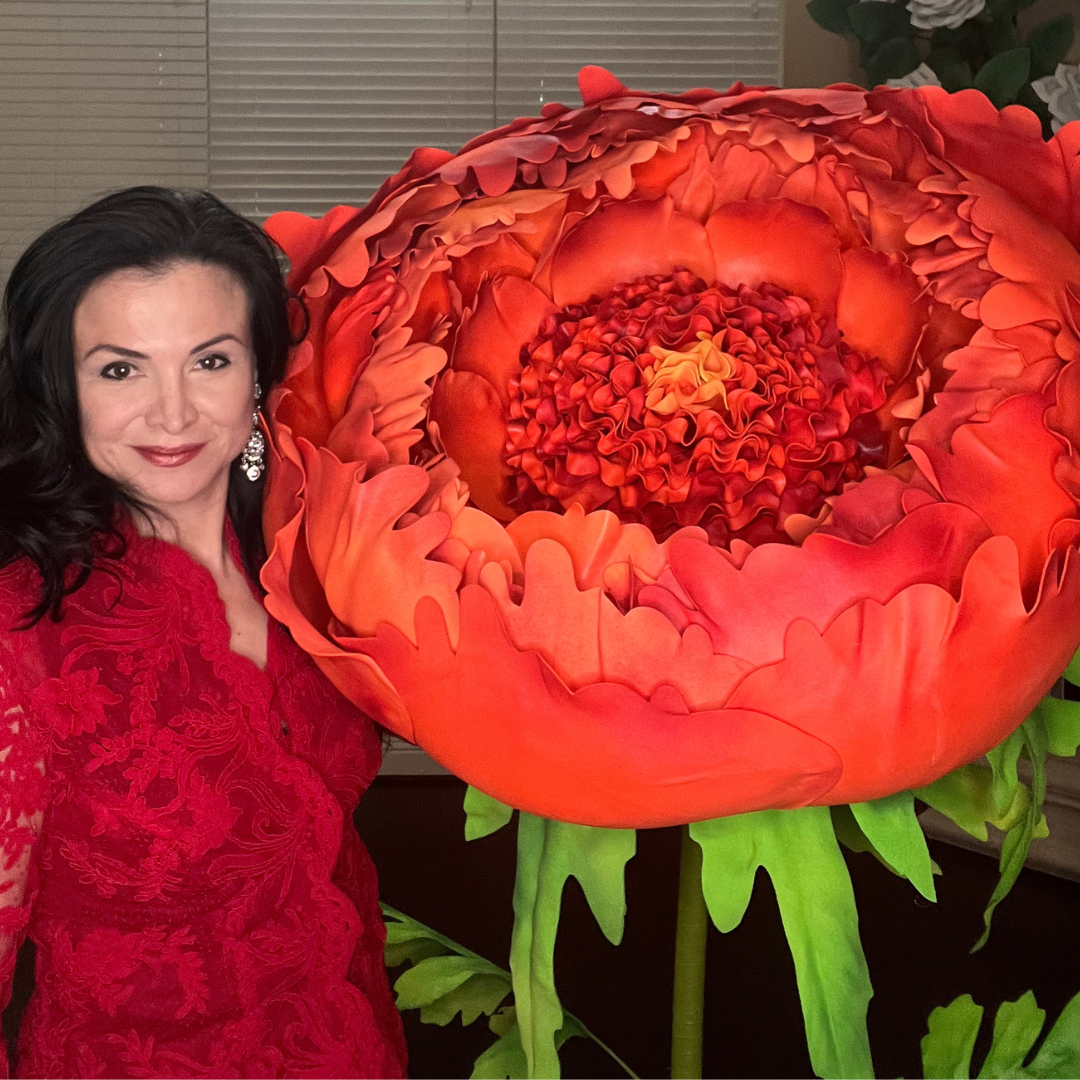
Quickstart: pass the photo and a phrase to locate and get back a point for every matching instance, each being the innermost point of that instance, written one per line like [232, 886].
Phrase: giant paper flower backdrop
[680, 456]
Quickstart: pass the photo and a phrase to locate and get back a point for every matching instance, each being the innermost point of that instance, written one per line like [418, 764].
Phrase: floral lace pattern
[202, 905]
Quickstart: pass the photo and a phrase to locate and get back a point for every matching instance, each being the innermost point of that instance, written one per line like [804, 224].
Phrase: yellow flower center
[689, 381]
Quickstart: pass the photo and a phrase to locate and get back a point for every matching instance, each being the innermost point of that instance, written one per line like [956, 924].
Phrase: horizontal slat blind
[96, 96]
[316, 102]
[667, 45]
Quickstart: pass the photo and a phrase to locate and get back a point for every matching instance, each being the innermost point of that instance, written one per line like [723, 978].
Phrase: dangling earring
[253, 459]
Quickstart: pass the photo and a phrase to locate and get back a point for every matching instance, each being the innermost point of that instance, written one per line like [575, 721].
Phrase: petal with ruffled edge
[778, 241]
[602, 756]
[294, 597]
[882, 309]
[508, 314]
[351, 532]
[1003, 469]
[748, 610]
[912, 689]
[625, 241]
[1006, 147]
[472, 426]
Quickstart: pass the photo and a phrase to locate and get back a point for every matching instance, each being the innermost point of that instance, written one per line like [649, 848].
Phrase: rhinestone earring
[253, 459]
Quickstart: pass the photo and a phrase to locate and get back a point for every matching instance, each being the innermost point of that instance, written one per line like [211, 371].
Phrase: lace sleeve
[22, 810]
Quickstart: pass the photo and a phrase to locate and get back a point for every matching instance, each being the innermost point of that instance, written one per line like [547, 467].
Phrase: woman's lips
[169, 457]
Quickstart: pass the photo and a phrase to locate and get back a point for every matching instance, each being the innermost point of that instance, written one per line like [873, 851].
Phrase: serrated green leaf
[951, 67]
[1059, 1056]
[483, 814]
[891, 826]
[1062, 720]
[413, 951]
[1002, 76]
[964, 797]
[1016, 1027]
[947, 1045]
[479, 994]
[876, 21]
[503, 1060]
[428, 981]
[407, 934]
[799, 851]
[831, 15]
[1049, 45]
[894, 59]
[1014, 848]
[548, 853]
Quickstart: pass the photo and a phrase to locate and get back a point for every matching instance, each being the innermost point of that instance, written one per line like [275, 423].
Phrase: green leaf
[799, 850]
[1018, 839]
[1016, 1027]
[895, 58]
[876, 21]
[407, 939]
[947, 1046]
[1059, 1055]
[548, 853]
[1000, 37]
[951, 67]
[1062, 720]
[1072, 672]
[442, 986]
[891, 826]
[1049, 45]
[504, 1059]
[483, 814]
[831, 15]
[1002, 76]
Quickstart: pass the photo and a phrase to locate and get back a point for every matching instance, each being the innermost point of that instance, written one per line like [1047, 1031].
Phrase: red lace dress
[201, 902]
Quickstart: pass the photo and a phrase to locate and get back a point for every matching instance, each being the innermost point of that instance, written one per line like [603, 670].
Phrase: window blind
[316, 102]
[302, 104]
[670, 45]
[95, 96]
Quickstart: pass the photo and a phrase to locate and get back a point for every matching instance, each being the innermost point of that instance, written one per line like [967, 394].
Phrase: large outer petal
[907, 691]
[601, 756]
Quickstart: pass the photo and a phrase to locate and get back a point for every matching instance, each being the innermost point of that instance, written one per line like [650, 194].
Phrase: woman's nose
[172, 409]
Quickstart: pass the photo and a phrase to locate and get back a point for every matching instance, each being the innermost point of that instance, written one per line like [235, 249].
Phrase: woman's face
[165, 375]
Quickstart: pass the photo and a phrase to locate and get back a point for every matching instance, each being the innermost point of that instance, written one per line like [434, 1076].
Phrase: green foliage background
[986, 52]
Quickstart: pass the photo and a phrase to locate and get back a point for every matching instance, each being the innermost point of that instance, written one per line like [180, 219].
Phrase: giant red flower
[680, 456]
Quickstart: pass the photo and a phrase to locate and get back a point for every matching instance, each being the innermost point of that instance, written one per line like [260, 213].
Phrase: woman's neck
[198, 529]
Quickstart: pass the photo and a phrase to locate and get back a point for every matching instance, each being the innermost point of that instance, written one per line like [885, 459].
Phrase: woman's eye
[213, 362]
[118, 369]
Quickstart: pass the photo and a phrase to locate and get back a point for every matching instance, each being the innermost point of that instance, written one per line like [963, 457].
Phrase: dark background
[918, 952]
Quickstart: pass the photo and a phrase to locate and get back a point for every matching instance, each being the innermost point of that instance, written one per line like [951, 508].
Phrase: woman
[177, 779]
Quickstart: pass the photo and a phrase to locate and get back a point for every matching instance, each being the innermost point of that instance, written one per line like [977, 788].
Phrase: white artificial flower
[1061, 92]
[930, 14]
[923, 75]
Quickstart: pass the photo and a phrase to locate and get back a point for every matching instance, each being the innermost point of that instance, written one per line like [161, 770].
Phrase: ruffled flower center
[672, 402]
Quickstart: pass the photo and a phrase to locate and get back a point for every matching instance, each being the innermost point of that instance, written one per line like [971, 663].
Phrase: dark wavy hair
[56, 509]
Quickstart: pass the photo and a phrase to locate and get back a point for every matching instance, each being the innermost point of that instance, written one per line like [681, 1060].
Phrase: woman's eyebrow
[215, 341]
[132, 354]
[116, 349]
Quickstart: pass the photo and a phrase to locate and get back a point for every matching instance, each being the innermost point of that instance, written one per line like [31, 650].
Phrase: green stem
[691, 934]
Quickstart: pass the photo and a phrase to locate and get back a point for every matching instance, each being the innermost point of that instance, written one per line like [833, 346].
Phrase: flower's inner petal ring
[672, 402]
